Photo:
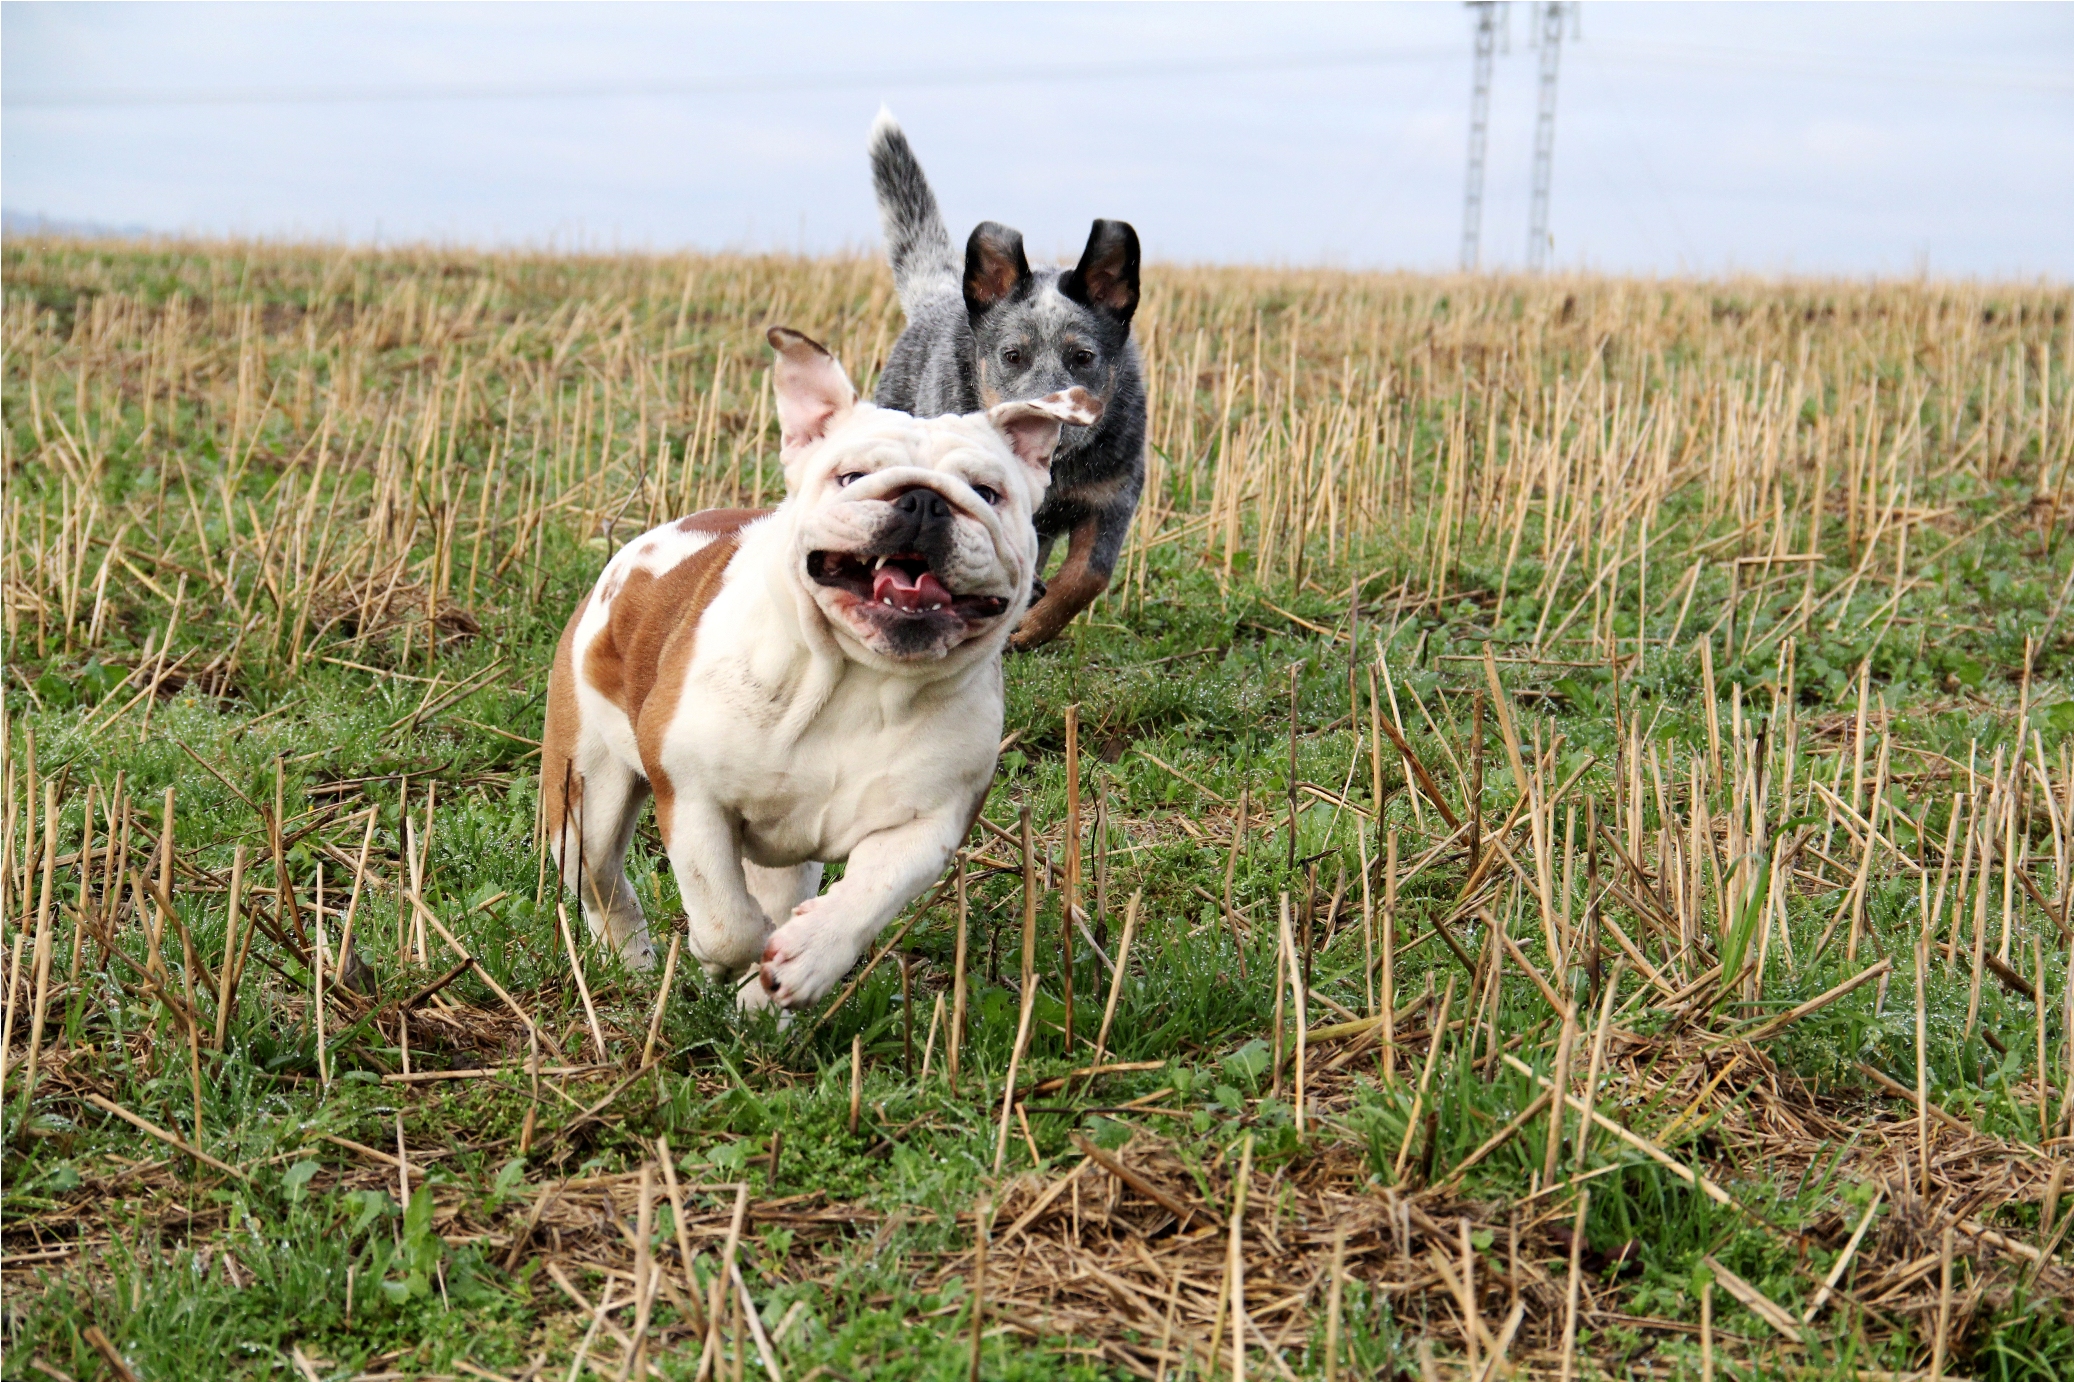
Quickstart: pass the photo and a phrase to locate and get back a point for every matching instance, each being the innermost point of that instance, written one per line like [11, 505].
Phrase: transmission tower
[1550, 35]
[1479, 130]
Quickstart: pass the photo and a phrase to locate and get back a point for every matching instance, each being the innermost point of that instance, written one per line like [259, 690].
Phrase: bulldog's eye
[990, 496]
[1082, 359]
[1011, 356]
[848, 478]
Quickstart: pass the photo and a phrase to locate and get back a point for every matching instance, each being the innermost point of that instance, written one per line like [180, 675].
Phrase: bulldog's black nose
[924, 506]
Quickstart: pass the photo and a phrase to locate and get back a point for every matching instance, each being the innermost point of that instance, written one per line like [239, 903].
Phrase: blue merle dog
[1003, 331]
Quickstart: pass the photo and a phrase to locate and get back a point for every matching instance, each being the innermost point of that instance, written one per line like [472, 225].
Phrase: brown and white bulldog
[814, 682]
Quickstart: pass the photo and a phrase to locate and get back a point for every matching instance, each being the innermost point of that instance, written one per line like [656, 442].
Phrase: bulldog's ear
[813, 392]
[996, 269]
[1106, 278]
[1031, 426]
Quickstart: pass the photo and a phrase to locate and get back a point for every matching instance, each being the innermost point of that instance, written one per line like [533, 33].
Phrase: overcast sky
[1807, 138]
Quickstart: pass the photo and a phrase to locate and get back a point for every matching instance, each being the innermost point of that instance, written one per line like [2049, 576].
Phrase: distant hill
[36, 223]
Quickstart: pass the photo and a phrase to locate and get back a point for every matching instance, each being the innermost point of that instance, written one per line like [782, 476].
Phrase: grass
[1733, 611]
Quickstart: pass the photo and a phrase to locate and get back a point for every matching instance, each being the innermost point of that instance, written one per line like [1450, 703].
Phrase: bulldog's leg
[591, 848]
[726, 926]
[590, 800]
[778, 891]
[809, 954]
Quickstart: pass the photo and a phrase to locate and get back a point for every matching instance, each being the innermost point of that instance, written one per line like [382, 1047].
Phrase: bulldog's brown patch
[624, 660]
[664, 653]
[719, 520]
[653, 630]
[639, 658]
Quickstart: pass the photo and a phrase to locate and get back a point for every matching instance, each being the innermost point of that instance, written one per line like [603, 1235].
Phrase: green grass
[732, 1084]
[884, 1295]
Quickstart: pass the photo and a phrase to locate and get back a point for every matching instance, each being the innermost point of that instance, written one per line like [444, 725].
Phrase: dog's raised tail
[916, 242]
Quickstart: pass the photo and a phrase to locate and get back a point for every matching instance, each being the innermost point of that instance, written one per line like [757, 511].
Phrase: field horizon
[1511, 684]
[31, 226]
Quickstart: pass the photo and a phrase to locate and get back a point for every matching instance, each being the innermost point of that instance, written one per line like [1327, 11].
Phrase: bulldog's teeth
[888, 600]
[935, 607]
[877, 564]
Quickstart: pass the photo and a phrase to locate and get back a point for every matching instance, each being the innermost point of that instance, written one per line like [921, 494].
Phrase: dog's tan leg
[591, 849]
[1066, 594]
[559, 786]
[593, 800]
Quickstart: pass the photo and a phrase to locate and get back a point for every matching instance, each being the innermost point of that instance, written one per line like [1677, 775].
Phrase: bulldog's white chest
[873, 754]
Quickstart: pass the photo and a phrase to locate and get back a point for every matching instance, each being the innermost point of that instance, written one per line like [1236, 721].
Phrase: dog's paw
[638, 953]
[803, 962]
[750, 994]
[751, 997]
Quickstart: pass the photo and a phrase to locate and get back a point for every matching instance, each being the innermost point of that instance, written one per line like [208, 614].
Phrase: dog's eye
[848, 478]
[990, 496]
[1083, 358]
[1011, 356]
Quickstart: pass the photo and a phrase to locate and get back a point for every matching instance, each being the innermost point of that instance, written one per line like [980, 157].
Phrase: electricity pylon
[1479, 130]
[1550, 34]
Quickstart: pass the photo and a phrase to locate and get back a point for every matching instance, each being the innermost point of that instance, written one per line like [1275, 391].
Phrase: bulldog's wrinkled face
[913, 534]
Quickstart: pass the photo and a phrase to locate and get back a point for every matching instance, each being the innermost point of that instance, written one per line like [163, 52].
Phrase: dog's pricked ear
[1031, 426]
[1106, 277]
[813, 392]
[996, 269]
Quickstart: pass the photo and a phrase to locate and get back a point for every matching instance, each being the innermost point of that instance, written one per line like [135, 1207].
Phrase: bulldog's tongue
[893, 586]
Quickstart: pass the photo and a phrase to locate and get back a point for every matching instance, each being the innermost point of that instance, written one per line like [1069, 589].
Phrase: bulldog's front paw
[803, 962]
[750, 994]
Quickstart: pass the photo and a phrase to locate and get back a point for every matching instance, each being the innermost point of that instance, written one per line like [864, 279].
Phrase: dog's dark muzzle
[925, 519]
[900, 575]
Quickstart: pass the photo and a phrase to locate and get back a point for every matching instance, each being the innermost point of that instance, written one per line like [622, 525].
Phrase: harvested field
[1656, 691]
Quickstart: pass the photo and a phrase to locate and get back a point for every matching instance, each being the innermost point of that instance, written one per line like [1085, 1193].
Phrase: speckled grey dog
[1002, 332]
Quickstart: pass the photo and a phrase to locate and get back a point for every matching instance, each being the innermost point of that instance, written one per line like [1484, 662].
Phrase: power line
[727, 86]
[1813, 66]
[1829, 68]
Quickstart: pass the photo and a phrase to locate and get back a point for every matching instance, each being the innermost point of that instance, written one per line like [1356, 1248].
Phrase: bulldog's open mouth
[900, 584]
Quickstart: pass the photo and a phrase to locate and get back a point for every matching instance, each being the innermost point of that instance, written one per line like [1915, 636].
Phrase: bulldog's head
[913, 534]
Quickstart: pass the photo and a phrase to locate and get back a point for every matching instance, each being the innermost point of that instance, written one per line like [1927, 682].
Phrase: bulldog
[794, 686]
